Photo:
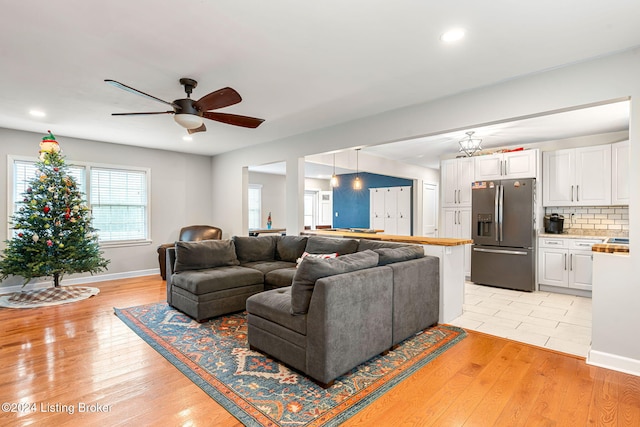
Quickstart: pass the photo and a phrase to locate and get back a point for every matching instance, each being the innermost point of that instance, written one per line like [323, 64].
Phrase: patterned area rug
[262, 392]
[49, 296]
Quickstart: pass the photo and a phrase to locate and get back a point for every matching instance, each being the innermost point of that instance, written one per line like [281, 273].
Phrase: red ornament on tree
[46, 209]
[49, 243]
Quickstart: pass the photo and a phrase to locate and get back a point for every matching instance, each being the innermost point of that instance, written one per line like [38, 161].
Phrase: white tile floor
[555, 321]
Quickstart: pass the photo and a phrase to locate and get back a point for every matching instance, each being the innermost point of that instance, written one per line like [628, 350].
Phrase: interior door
[326, 208]
[430, 210]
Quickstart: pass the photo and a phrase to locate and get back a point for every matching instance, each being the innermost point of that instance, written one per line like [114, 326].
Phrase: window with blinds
[118, 197]
[119, 203]
[25, 170]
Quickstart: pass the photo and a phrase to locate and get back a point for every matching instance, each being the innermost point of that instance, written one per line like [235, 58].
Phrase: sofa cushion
[266, 266]
[312, 269]
[204, 254]
[275, 306]
[365, 244]
[290, 248]
[327, 245]
[279, 278]
[262, 248]
[405, 253]
[216, 279]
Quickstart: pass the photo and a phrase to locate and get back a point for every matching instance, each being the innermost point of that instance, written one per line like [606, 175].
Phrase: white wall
[606, 78]
[181, 191]
[273, 197]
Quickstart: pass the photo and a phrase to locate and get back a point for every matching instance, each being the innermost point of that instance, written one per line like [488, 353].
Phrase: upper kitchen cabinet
[456, 176]
[511, 165]
[577, 176]
[620, 173]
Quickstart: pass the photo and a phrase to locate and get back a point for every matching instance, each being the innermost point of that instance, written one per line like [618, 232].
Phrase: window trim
[11, 159]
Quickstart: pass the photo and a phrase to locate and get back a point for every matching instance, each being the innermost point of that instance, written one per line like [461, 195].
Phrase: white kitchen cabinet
[456, 223]
[577, 176]
[390, 210]
[512, 165]
[565, 263]
[456, 176]
[620, 173]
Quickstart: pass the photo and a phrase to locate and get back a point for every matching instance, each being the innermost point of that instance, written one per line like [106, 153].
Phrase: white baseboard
[614, 362]
[46, 283]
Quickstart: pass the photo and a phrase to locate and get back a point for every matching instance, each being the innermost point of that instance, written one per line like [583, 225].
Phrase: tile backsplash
[597, 218]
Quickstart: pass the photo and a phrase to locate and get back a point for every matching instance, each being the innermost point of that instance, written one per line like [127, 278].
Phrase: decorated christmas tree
[52, 229]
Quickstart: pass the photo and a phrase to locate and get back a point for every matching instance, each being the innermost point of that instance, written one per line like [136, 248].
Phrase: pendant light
[334, 182]
[470, 145]
[357, 183]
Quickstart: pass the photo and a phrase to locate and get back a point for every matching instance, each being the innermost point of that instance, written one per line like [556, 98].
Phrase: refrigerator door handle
[501, 210]
[496, 214]
[500, 251]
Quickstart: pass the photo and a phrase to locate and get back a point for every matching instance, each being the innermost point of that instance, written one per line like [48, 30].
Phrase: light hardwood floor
[82, 353]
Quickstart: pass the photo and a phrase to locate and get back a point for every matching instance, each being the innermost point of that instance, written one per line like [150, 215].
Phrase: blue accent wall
[352, 206]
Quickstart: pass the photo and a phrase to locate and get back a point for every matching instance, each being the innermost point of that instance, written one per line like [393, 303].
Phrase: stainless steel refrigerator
[503, 229]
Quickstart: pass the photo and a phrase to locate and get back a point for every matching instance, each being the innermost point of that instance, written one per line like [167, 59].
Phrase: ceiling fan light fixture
[188, 121]
[470, 145]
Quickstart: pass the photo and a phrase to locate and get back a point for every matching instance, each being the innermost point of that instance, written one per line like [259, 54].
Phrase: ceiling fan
[189, 113]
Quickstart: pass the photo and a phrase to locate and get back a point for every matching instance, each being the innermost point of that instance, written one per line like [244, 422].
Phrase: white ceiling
[426, 151]
[299, 65]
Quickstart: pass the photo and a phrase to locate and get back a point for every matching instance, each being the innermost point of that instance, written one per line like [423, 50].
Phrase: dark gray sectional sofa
[323, 317]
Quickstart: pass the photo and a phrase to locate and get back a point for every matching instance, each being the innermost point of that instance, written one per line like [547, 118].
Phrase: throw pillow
[250, 249]
[312, 269]
[306, 254]
[405, 253]
[204, 254]
[327, 245]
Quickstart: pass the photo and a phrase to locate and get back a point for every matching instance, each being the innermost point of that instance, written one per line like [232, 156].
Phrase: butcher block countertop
[610, 248]
[436, 241]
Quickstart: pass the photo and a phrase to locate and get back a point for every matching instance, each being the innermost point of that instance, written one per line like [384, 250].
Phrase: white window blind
[25, 170]
[255, 206]
[119, 203]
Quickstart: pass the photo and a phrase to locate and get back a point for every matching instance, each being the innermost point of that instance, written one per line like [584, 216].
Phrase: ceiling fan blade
[142, 114]
[218, 99]
[233, 119]
[198, 129]
[137, 92]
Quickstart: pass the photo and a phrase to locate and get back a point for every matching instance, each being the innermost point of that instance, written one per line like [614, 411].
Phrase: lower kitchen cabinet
[456, 223]
[565, 263]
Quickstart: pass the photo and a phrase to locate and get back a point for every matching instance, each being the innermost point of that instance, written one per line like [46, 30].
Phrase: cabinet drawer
[584, 245]
[550, 242]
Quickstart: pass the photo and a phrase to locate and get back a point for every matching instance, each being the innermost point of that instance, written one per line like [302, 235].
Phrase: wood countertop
[610, 248]
[436, 241]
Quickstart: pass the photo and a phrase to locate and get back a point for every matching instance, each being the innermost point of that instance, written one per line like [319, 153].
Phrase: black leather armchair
[192, 233]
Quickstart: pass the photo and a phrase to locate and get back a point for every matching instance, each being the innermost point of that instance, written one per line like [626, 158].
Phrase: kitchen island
[450, 252]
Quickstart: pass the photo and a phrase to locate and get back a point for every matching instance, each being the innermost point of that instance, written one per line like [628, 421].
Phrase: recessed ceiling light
[452, 35]
[37, 113]
[187, 138]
